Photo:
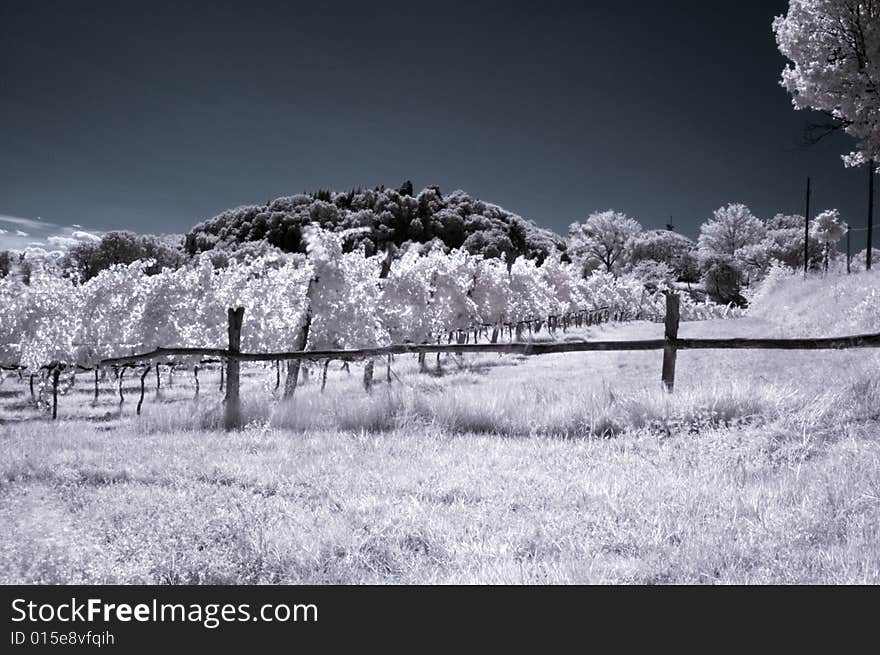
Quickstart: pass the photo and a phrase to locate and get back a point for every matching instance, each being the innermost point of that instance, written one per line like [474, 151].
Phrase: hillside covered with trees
[379, 218]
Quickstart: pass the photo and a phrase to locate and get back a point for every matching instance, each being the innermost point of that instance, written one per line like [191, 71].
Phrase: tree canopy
[377, 219]
[90, 258]
[834, 50]
[602, 240]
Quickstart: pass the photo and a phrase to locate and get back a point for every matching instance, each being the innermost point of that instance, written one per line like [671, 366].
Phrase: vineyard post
[143, 379]
[56, 372]
[368, 374]
[97, 369]
[669, 350]
[869, 251]
[233, 401]
[324, 375]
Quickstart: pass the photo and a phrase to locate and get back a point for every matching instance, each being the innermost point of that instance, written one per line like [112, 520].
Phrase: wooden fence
[669, 344]
[232, 356]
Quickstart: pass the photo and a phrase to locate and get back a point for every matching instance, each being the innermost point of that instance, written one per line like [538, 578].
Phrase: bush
[722, 279]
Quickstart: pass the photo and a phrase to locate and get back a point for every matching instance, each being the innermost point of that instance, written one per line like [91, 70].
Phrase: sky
[153, 116]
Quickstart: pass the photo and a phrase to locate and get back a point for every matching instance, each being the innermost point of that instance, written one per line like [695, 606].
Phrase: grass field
[762, 467]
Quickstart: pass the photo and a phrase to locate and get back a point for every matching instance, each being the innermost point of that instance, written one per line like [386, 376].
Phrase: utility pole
[848, 251]
[807, 231]
[872, 170]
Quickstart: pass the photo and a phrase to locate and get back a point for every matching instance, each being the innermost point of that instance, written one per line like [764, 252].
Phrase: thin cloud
[29, 234]
[33, 223]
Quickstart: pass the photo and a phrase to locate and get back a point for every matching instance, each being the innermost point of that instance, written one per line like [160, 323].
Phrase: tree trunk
[143, 380]
[293, 365]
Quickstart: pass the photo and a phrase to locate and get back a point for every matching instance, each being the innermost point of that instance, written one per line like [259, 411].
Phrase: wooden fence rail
[670, 344]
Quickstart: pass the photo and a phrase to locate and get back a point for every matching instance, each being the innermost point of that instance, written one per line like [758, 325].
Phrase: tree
[602, 239]
[722, 279]
[859, 259]
[828, 229]
[663, 246]
[687, 267]
[120, 247]
[377, 218]
[731, 228]
[653, 274]
[834, 49]
[5, 263]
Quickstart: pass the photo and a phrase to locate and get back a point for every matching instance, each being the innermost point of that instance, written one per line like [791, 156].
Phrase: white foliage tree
[602, 239]
[834, 49]
[828, 229]
[731, 228]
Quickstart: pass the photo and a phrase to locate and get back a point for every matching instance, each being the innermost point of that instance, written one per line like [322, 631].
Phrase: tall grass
[819, 305]
[527, 410]
[759, 468]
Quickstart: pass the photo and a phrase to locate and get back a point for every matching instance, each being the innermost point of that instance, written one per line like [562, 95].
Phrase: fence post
[233, 365]
[56, 372]
[669, 350]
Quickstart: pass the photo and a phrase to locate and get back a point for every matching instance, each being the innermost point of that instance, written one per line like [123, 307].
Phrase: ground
[762, 467]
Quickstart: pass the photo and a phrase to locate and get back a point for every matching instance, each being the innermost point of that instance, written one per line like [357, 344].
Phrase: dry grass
[558, 469]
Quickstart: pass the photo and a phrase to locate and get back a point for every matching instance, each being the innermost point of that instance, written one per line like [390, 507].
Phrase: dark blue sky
[152, 116]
